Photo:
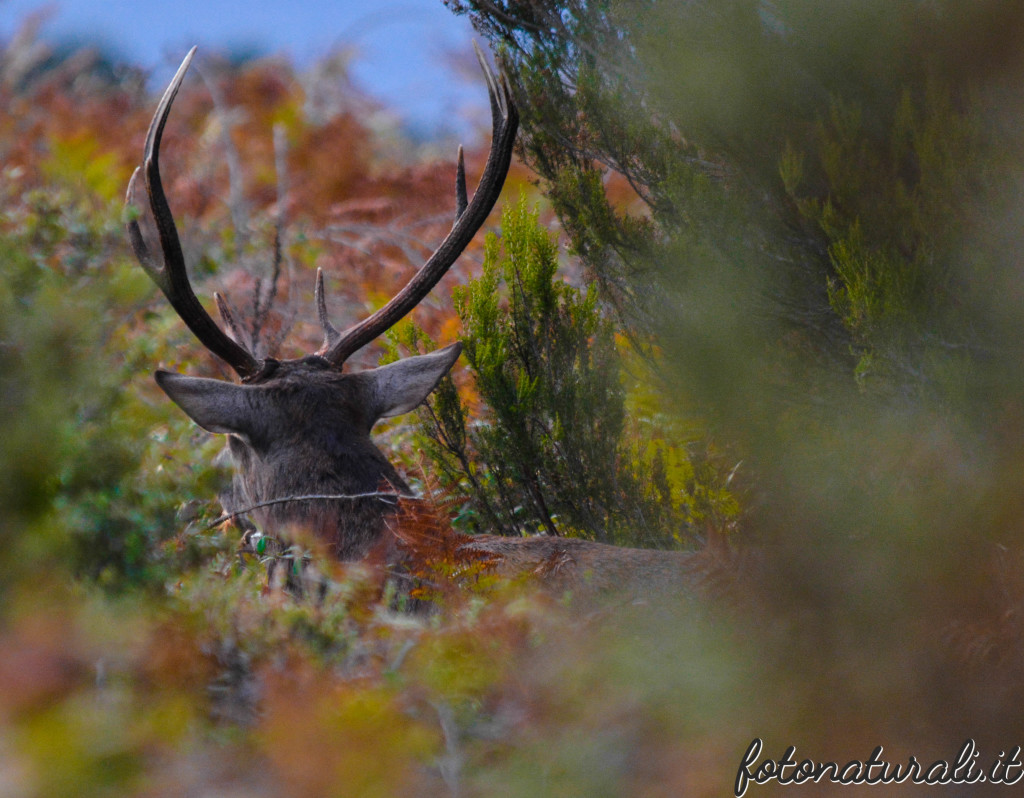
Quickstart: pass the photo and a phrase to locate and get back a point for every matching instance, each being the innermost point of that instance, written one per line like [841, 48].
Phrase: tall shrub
[553, 449]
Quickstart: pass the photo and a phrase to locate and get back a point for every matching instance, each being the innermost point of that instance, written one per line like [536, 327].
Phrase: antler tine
[331, 334]
[499, 108]
[139, 247]
[470, 218]
[460, 185]
[228, 316]
[171, 276]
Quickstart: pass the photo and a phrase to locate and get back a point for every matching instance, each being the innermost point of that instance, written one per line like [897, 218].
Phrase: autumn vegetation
[752, 290]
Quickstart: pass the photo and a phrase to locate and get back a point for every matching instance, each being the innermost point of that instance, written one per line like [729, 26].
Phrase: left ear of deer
[214, 405]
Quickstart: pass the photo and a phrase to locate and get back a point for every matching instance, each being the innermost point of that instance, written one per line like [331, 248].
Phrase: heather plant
[549, 446]
[840, 208]
[899, 252]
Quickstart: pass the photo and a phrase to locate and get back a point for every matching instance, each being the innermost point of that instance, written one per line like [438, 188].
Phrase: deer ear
[403, 385]
[214, 405]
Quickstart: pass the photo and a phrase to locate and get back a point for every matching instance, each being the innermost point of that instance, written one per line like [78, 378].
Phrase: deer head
[302, 427]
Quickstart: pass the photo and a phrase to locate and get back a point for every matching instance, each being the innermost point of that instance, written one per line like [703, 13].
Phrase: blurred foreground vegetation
[789, 339]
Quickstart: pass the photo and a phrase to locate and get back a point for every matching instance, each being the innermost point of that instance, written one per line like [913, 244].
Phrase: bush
[553, 449]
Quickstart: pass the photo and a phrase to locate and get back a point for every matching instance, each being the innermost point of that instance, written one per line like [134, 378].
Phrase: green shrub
[552, 448]
[84, 460]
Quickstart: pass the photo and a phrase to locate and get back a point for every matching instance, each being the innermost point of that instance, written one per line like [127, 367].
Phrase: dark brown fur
[314, 439]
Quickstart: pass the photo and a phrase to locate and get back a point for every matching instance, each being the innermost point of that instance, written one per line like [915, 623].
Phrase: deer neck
[341, 497]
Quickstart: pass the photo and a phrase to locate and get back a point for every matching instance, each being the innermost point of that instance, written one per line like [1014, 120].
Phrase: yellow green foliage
[685, 470]
[79, 160]
[894, 210]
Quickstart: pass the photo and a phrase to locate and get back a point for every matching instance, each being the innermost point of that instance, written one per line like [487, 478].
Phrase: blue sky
[401, 46]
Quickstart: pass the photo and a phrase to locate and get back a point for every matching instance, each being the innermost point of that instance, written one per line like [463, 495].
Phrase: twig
[384, 496]
[451, 763]
[236, 178]
[403, 652]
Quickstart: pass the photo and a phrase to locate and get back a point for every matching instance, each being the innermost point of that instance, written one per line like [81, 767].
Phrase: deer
[299, 430]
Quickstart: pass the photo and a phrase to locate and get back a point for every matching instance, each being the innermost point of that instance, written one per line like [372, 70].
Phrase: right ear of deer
[470, 218]
[405, 384]
[171, 276]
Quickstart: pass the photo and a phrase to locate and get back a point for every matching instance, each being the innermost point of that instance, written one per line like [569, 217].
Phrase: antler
[171, 276]
[470, 216]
